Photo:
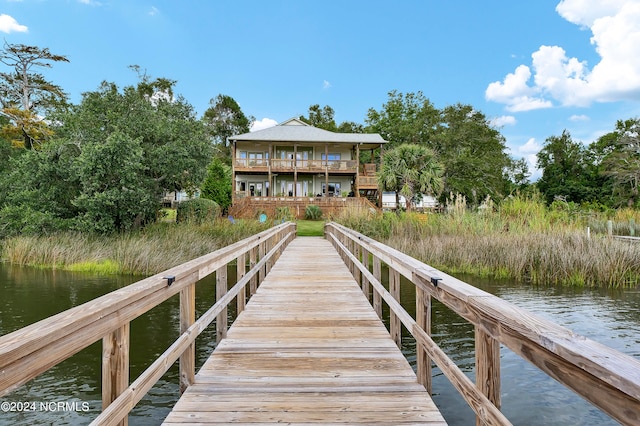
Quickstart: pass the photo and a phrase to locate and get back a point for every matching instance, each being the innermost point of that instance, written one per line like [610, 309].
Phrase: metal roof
[295, 130]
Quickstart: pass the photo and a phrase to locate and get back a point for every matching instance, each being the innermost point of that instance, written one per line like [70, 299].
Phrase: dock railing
[32, 350]
[607, 378]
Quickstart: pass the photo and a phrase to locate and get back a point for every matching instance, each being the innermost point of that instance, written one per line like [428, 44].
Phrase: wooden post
[609, 227]
[115, 366]
[395, 328]
[187, 318]
[221, 290]
[356, 180]
[377, 298]
[423, 319]
[487, 367]
[366, 287]
[253, 282]
[357, 251]
[241, 270]
[262, 271]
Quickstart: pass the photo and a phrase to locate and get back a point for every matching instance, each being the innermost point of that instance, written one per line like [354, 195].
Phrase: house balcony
[301, 166]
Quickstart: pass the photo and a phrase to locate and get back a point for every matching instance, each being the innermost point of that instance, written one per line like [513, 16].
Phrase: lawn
[310, 228]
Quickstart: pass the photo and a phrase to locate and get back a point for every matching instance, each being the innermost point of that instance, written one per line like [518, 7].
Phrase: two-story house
[296, 161]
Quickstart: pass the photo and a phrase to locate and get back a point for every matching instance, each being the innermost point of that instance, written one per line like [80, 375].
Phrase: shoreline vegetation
[521, 239]
[151, 250]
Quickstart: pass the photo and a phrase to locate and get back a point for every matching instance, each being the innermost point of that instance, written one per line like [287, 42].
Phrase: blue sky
[535, 68]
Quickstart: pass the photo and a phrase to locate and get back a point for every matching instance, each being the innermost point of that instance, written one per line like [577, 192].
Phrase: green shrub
[198, 210]
[283, 213]
[312, 212]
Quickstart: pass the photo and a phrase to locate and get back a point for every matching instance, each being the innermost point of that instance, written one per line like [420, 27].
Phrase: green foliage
[217, 184]
[114, 156]
[473, 153]
[25, 93]
[224, 118]
[312, 212]
[198, 211]
[411, 170]
[283, 213]
[622, 163]
[38, 191]
[115, 191]
[323, 118]
[566, 172]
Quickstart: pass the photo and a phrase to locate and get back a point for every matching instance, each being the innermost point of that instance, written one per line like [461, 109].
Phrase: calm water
[529, 397]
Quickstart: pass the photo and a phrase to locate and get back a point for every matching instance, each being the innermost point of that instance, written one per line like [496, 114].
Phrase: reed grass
[520, 239]
[149, 251]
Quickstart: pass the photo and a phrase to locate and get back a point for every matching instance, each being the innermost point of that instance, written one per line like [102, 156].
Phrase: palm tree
[410, 170]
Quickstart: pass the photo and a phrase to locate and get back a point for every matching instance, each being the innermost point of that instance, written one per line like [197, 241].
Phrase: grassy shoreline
[522, 240]
[154, 249]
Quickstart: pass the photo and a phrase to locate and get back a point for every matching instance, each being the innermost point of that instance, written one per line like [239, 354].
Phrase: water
[529, 397]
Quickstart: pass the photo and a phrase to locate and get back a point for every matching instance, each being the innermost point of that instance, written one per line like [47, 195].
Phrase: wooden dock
[308, 349]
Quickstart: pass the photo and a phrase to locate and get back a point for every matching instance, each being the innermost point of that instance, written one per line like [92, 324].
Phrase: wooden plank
[307, 349]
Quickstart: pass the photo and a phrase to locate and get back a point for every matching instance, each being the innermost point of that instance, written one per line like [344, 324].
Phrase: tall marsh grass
[520, 239]
[152, 250]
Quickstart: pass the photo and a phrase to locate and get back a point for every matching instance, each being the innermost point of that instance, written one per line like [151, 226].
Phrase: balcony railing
[367, 182]
[289, 165]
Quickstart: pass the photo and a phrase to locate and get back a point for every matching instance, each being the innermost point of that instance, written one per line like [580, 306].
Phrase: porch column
[379, 189]
[295, 169]
[326, 170]
[233, 173]
[356, 181]
[269, 165]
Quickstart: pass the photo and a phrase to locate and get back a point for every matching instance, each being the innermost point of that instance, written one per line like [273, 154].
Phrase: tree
[217, 184]
[223, 119]
[411, 170]
[26, 94]
[621, 160]
[517, 176]
[131, 148]
[114, 188]
[405, 118]
[565, 172]
[322, 118]
[473, 153]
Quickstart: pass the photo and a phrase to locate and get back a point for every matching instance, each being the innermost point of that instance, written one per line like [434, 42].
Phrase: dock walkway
[308, 349]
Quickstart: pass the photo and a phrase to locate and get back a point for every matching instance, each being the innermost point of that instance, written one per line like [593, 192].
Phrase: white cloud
[615, 28]
[154, 11]
[515, 92]
[8, 24]
[262, 124]
[90, 2]
[326, 84]
[504, 120]
[579, 117]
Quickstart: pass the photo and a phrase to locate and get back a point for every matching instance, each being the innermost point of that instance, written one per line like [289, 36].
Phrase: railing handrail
[123, 404]
[29, 351]
[606, 377]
